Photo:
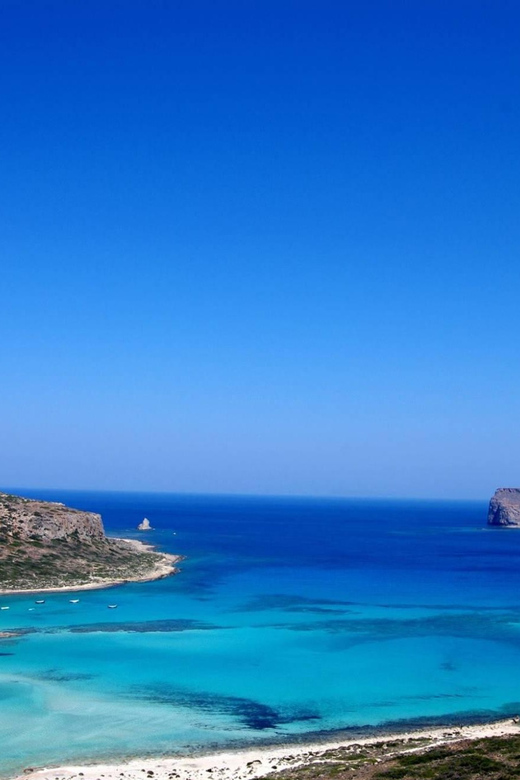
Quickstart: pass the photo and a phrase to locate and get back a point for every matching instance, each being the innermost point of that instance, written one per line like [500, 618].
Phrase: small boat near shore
[40, 601]
[112, 606]
[73, 601]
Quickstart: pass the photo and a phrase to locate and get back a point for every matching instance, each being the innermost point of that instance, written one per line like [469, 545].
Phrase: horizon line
[15, 490]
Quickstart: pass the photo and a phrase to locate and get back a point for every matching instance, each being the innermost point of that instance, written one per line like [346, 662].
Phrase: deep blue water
[290, 617]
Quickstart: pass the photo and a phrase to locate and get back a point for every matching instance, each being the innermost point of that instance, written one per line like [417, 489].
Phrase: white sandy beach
[257, 762]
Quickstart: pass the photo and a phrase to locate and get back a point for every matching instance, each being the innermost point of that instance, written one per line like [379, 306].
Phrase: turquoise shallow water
[290, 618]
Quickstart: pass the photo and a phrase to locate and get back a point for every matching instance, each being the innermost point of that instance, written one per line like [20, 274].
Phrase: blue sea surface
[291, 618]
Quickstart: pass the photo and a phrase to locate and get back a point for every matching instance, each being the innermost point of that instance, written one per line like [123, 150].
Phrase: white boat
[4, 607]
[73, 601]
[112, 606]
[40, 601]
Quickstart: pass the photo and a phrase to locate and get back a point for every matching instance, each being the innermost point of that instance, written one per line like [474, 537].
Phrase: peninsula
[504, 507]
[49, 546]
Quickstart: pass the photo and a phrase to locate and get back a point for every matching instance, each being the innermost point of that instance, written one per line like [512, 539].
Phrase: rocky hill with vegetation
[491, 758]
[46, 545]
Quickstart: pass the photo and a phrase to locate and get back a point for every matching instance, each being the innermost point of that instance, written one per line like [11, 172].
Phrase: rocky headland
[504, 507]
[49, 546]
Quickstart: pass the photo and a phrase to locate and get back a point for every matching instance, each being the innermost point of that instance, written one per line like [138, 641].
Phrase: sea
[292, 619]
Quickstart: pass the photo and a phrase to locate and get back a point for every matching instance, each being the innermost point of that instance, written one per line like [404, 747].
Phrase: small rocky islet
[504, 508]
[46, 545]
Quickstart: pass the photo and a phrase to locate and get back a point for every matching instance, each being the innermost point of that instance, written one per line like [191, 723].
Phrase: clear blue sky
[260, 247]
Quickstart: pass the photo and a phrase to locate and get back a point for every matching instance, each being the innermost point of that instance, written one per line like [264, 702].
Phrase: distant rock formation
[504, 507]
[145, 525]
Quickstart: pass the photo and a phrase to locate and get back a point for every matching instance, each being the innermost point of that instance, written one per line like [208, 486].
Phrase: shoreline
[165, 566]
[255, 762]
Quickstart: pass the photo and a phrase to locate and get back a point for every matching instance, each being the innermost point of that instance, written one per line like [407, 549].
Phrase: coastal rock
[46, 520]
[145, 525]
[504, 507]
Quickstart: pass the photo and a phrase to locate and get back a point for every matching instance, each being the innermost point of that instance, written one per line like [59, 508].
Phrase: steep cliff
[45, 520]
[504, 507]
[45, 545]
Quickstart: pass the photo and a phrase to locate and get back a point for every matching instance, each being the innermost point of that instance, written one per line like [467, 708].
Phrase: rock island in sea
[504, 507]
[49, 546]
